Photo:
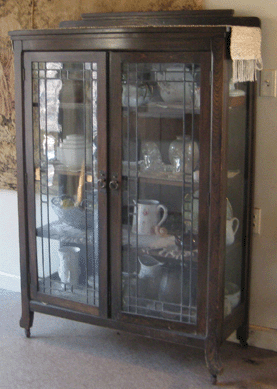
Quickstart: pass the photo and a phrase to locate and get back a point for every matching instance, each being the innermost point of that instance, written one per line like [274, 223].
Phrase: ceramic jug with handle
[147, 216]
[232, 226]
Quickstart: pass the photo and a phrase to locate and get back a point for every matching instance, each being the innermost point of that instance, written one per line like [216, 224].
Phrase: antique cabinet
[135, 155]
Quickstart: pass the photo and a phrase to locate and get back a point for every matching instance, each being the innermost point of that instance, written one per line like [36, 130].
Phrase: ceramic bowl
[232, 294]
[71, 215]
[171, 85]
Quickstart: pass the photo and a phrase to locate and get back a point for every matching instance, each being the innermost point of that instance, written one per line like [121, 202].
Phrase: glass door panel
[65, 137]
[160, 193]
[236, 193]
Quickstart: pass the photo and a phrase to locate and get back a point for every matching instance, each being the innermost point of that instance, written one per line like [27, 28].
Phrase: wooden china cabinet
[135, 155]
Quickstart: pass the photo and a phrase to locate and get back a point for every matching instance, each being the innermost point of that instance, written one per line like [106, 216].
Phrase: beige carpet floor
[62, 354]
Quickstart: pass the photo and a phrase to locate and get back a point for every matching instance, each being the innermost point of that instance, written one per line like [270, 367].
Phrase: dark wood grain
[204, 190]
[115, 158]
[160, 15]
[102, 151]
[163, 18]
[26, 320]
[139, 41]
[217, 212]
[30, 171]
[165, 335]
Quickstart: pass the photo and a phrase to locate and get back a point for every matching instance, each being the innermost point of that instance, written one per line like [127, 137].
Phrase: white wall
[9, 242]
[263, 307]
[9, 246]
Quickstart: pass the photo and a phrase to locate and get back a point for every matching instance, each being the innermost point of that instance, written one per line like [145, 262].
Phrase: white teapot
[133, 95]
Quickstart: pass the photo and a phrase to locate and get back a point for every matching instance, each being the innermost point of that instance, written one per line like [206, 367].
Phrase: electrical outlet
[257, 217]
[268, 83]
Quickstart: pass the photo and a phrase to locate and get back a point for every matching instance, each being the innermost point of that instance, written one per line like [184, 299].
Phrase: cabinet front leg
[242, 335]
[26, 322]
[213, 360]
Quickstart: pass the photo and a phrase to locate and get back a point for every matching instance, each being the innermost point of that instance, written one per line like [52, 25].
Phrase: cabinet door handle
[102, 180]
[114, 184]
[102, 183]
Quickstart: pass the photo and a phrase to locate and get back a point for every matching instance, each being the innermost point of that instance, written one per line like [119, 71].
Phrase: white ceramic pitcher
[232, 226]
[147, 216]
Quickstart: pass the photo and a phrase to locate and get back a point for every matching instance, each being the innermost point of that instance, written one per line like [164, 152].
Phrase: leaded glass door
[66, 158]
[164, 185]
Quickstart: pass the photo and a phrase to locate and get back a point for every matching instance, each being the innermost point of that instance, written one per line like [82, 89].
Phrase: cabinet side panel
[26, 319]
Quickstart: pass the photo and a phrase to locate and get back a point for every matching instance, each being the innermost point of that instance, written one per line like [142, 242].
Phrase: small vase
[69, 270]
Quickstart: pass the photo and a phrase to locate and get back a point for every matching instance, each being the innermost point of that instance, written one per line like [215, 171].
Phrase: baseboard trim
[9, 282]
[261, 337]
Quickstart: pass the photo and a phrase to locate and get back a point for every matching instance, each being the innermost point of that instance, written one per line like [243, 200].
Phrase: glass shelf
[66, 234]
[163, 179]
[161, 110]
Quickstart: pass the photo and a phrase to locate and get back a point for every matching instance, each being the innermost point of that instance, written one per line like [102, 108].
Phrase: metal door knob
[102, 180]
[102, 183]
[114, 184]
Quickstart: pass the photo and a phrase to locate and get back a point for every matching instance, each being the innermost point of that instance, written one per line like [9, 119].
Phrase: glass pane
[160, 115]
[237, 164]
[65, 157]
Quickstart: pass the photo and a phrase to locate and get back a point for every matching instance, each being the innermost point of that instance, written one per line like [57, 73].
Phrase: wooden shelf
[236, 101]
[66, 171]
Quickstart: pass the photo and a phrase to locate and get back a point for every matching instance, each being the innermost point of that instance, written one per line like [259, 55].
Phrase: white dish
[236, 93]
[171, 85]
[75, 136]
[233, 173]
[233, 294]
[76, 147]
[74, 141]
[234, 299]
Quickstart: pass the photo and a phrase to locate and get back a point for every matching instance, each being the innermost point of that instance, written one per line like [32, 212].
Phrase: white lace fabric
[246, 53]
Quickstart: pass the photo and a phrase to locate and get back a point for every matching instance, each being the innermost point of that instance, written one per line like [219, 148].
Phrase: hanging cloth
[246, 53]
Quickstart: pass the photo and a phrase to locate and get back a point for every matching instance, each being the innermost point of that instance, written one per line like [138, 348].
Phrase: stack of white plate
[72, 151]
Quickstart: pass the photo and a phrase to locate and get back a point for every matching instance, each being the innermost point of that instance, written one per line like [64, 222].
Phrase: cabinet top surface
[143, 21]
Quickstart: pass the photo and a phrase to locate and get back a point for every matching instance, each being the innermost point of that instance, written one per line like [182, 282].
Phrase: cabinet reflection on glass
[160, 116]
[65, 157]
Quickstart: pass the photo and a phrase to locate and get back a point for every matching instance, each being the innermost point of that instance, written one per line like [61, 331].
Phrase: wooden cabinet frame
[109, 45]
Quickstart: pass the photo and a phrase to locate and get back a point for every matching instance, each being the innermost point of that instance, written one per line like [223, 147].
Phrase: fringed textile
[246, 53]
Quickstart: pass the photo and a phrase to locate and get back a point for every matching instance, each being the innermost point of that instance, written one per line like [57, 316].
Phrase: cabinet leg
[213, 360]
[242, 336]
[26, 322]
[213, 379]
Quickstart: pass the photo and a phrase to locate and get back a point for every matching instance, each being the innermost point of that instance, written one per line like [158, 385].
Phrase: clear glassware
[152, 159]
[176, 154]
